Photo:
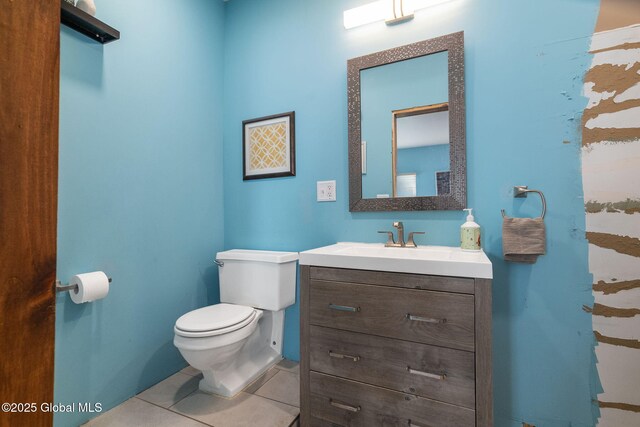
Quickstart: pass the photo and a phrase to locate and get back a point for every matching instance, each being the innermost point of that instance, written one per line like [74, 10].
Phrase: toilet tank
[260, 279]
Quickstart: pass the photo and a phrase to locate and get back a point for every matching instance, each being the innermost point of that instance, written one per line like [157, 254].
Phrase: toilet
[236, 341]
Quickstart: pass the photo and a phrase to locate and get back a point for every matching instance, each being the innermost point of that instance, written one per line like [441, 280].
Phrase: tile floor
[270, 401]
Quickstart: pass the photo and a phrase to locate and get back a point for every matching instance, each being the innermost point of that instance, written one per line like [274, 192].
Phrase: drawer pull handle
[344, 308]
[426, 374]
[343, 356]
[412, 424]
[425, 319]
[344, 406]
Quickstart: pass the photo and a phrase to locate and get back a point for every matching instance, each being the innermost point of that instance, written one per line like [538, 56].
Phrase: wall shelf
[86, 24]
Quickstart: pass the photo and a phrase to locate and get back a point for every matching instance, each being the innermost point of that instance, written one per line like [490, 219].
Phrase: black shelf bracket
[86, 24]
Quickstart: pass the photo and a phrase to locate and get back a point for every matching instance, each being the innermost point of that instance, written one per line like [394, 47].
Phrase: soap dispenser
[470, 234]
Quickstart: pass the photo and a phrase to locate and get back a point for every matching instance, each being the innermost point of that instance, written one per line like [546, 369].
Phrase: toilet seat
[217, 319]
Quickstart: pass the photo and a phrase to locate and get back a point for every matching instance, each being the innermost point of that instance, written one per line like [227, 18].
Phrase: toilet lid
[214, 317]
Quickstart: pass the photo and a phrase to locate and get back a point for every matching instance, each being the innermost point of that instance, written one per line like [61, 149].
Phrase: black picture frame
[267, 126]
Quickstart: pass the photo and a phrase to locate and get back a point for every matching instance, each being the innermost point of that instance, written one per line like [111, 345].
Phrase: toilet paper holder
[62, 288]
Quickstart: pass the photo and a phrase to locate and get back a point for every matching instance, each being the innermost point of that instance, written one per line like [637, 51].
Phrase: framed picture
[443, 183]
[268, 148]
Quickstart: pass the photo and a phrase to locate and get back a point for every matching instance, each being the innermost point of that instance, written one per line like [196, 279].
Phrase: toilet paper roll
[91, 286]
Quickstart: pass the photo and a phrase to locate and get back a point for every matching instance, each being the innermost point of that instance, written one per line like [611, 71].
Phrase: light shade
[365, 14]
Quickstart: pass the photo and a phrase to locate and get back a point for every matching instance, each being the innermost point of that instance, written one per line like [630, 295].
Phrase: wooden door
[29, 82]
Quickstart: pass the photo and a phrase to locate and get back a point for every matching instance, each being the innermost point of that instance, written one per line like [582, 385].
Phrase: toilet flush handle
[219, 263]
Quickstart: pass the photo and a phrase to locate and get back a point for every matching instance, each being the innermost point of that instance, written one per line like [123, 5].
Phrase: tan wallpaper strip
[617, 405]
[606, 311]
[615, 287]
[608, 106]
[628, 206]
[621, 342]
[635, 45]
[597, 135]
[617, 14]
[617, 79]
[613, 78]
[621, 244]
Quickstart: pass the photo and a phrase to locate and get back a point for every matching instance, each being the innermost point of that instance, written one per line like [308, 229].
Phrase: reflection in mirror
[420, 151]
[396, 87]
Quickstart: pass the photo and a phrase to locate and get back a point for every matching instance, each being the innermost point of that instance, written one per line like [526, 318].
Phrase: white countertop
[434, 260]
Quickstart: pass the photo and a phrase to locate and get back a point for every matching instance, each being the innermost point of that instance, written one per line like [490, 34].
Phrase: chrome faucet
[391, 243]
[400, 228]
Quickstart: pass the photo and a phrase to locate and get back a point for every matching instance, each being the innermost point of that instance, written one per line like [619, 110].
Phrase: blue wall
[140, 193]
[525, 63]
[142, 172]
[405, 84]
[424, 162]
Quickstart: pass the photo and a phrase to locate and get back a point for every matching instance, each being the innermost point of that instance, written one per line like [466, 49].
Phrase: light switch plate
[326, 191]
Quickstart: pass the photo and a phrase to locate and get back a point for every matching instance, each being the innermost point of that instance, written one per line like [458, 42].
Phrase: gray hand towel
[523, 239]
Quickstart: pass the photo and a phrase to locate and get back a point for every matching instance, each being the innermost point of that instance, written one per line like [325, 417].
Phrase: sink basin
[435, 260]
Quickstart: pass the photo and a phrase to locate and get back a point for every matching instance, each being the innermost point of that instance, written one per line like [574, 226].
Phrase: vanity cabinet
[384, 348]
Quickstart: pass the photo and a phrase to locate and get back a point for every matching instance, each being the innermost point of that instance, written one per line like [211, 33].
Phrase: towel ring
[521, 191]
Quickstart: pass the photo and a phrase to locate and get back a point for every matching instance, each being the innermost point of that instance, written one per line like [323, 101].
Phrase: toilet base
[261, 351]
[229, 383]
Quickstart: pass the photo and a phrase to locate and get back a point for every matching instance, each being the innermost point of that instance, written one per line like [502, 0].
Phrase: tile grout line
[242, 391]
[189, 394]
[178, 401]
[174, 412]
[284, 403]
[251, 394]
[260, 379]
[211, 425]
[275, 400]
[149, 388]
[174, 403]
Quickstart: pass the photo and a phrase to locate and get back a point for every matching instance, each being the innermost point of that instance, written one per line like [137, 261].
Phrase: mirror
[407, 127]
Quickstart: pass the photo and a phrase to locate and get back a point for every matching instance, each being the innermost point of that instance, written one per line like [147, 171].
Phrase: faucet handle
[390, 240]
[410, 242]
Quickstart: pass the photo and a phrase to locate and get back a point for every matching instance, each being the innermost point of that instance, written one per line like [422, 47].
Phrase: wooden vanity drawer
[439, 318]
[351, 403]
[460, 285]
[438, 373]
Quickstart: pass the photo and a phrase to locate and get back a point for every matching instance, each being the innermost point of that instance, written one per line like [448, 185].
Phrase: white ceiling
[423, 130]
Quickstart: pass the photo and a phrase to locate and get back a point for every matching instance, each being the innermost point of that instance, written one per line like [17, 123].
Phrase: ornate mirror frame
[457, 199]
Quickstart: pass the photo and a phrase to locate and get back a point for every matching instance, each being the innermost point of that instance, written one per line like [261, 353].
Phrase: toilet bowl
[234, 342]
[210, 338]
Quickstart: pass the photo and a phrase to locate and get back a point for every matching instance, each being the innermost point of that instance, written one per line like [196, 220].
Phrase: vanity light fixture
[401, 11]
[391, 11]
